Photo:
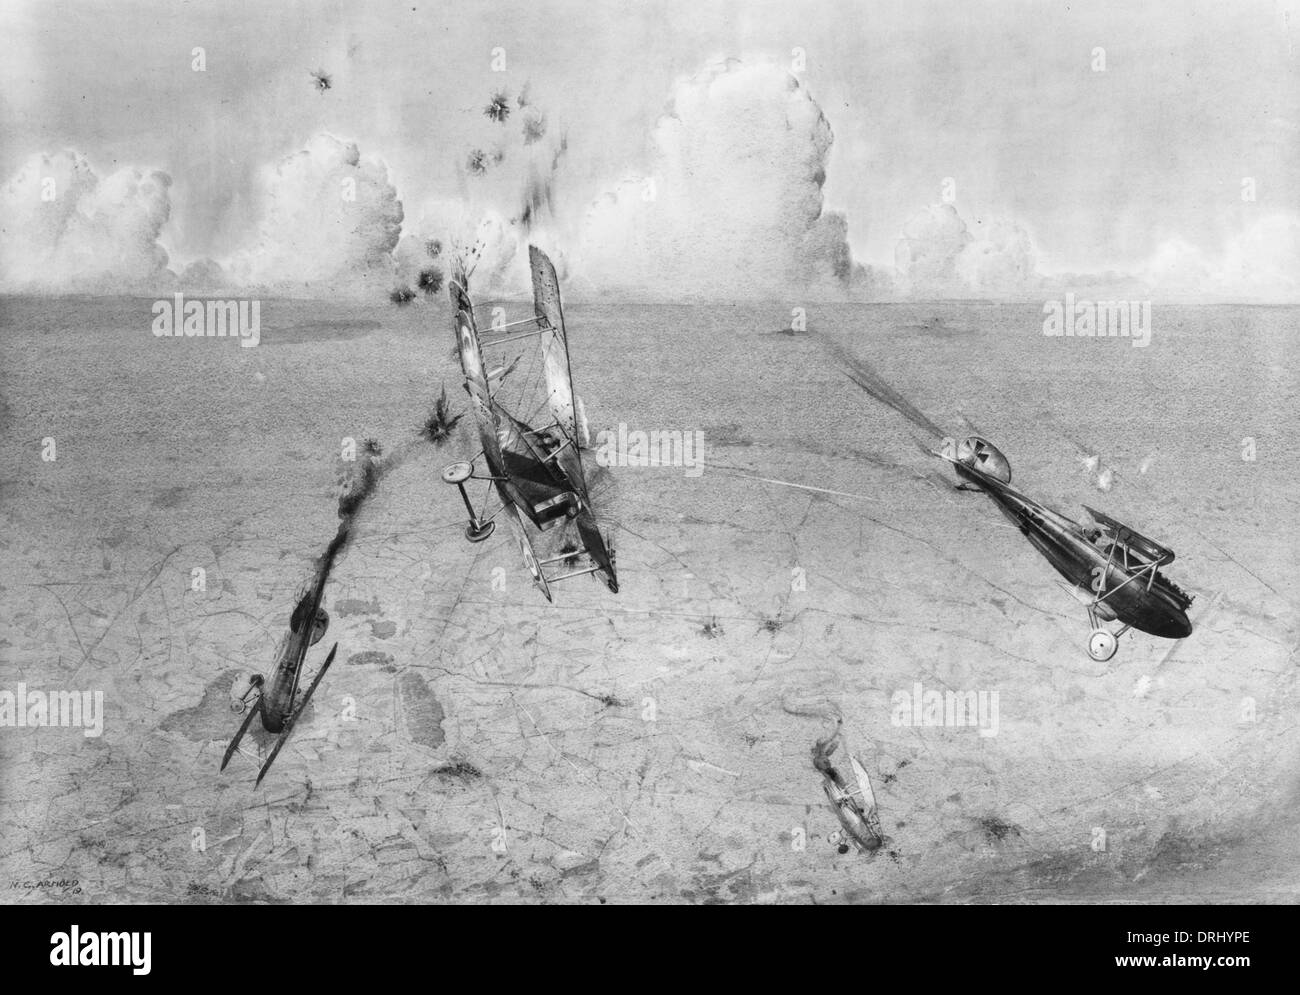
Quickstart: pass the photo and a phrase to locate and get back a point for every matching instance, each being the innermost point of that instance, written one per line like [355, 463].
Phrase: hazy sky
[1001, 96]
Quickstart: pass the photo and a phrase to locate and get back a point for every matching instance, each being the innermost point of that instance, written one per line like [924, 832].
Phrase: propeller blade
[243, 728]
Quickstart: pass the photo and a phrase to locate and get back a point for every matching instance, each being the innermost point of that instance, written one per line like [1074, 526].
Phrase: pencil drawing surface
[648, 452]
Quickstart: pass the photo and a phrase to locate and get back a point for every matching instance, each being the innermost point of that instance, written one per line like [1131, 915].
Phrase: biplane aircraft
[1112, 569]
[535, 472]
[281, 705]
[854, 807]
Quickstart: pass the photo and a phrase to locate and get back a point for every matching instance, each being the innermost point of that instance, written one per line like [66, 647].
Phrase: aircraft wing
[1136, 542]
[516, 524]
[553, 341]
[601, 555]
[864, 784]
[868, 797]
[476, 382]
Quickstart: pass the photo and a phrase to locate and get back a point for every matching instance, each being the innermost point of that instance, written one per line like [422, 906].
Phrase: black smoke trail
[869, 379]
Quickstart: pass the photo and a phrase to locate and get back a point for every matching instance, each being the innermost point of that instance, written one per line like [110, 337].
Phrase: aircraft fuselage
[1157, 610]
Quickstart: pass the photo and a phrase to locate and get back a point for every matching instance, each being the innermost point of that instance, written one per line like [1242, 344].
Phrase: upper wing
[864, 784]
[868, 803]
[1146, 548]
[553, 341]
[476, 382]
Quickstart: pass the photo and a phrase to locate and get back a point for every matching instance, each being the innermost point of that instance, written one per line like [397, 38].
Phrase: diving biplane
[1111, 568]
[854, 807]
[281, 704]
[536, 473]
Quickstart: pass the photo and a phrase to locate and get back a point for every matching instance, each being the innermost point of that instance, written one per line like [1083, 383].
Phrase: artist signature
[68, 886]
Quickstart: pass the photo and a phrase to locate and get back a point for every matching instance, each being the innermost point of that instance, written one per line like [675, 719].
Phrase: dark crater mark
[997, 830]
[1180, 852]
[421, 712]
[458, 770]
[211, 718]
[711, 629]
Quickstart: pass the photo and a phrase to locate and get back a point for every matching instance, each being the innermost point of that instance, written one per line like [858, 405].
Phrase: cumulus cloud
[998, 259]
[1261, 263]
[203, 276]
[330, 221]
[938, 256]
[1178, 266]
[1264, 261]
[65, 229]
[926, 254]
[732, 205]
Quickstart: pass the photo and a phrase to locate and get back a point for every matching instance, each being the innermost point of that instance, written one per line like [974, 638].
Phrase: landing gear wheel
[1102, 645]
[457, 473]
[477, 533]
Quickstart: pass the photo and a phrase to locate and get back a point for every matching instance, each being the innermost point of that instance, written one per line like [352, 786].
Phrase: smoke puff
[483, 240]
[733, 205]
[328, 216]
[88, 234]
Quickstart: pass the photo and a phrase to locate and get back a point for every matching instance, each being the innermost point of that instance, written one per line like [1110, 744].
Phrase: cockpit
[982, 455]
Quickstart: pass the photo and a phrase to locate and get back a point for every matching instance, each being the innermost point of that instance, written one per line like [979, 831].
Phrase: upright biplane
[1111, 568]
[531, 430]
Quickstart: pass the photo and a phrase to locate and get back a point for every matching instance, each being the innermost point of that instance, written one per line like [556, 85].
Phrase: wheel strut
[458, 473]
